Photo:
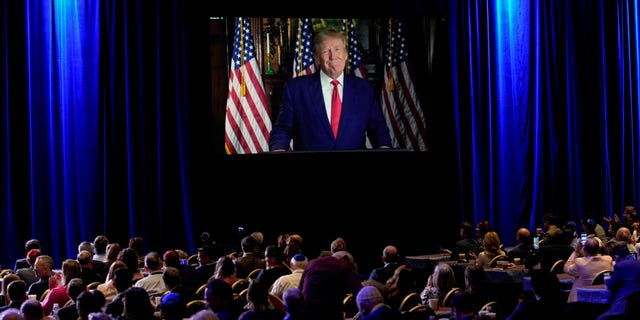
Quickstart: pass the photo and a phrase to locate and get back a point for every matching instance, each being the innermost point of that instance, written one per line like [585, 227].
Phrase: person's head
[620, 252]
[43, 266]
[122, 279]
[171, 258]
[248, 244]
[549, 219]
[443, 277]
[347, 257]
[589, 226]
[206, 254]
[463, 305]
[137, 244]
[6, 281]
[130, 258]
[32, 309]
[258, 294]
[112, 268]
[492, 242]
[70, 269]
[523, 235]
[171, 277]
[86, 245]
[85, 258]
[32, 255]
[225, 267]
[591, 246]
[293, 300]
[482, 228]
[205, 314]
[623, 235]
[100, 244]
[89, 302]
[137, 304]
[338, 245]
[299, 262]
[17, 290]
[367, 298]
[258, 236]
[390, 254]
[218, 293]
[11, 314]
[75, 288]
[467, 230]
[31, 244]
[113, 251]
[152, 261]
[330, 51]
[172, 306]
[272, 255]
[474, 276]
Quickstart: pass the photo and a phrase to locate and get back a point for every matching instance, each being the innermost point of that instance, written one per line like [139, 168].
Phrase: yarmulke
[299, 257]
[369, 295]
[170, 299]
[33, 253]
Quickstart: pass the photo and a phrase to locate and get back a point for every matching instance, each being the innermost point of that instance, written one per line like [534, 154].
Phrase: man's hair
[100, 243]
[325, 34]
[17, 290]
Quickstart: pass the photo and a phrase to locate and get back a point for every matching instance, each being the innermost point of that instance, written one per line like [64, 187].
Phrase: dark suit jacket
[382, 274]
[624, 280]
[303, 117]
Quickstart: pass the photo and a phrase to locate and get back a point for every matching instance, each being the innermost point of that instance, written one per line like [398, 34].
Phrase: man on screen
[306, 111]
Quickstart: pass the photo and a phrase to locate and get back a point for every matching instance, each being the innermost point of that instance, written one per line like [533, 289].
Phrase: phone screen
[583, 238]
[536, 243]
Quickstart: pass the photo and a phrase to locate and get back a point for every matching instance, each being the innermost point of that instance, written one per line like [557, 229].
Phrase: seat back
[195, 306]
[493, 262]
[599, 278]
[494, 307]
[558, 267]
[446, 301]
[410, 300]
[276, 302]
[349, 306]
[254, 273]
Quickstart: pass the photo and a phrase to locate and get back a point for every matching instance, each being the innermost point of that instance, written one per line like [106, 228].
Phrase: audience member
[624, 281]
[69, 311]
[325, 282]
[556, 249]
[173, 307]
[258, 302]
[60, 282]
[464, 306]
[108, 288]
[32, 310]
[29, 274]
[548, 303]
[371, 305]
[17, 291]
[482, 228]
[6, 280]
[492, 247]
[123, 280]
[390, 260]
[206, 262]
[293, 303]
[274, 267]
[248, 261]
[293, 247]
[130, 258]
[219, 297]
[113, 252]
[87, 272]
[90, 303]
[43, 268]
[549, 227]
[523, 249]
[189, 278]
[153, 282]
[467, 243]
[100, 243]
[171, 277]
[137, 244]
[137, 305]
[206, 314]
[22, 262]
[260, 247]
[475, 280]
[298, 264]
[586, 268]
[438, 283]
[11, 314]
[226, 270]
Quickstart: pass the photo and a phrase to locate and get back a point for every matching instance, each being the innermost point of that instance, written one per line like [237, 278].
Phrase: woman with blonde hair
[58, 285]
[492, 249]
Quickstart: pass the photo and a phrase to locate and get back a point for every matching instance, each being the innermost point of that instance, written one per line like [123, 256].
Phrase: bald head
[523, 235]
[390, 254]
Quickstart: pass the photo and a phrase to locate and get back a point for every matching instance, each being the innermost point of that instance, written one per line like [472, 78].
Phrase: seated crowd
[281, 281]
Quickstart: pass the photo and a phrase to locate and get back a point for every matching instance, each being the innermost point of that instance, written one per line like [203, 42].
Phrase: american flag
[303, 54]
[355, 57]
[247, 122]
[400, 104]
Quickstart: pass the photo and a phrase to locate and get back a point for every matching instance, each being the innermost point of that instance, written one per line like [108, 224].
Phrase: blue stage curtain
[97, 123]
[546, 109]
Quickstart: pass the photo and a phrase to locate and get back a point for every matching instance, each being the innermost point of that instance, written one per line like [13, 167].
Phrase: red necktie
[336, 107]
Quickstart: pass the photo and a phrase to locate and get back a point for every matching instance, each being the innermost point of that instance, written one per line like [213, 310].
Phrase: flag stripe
[401, 106]
[247, 121]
